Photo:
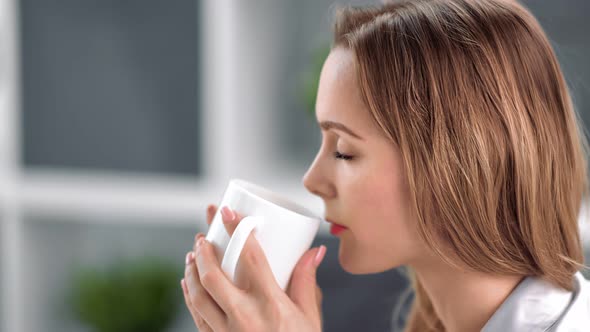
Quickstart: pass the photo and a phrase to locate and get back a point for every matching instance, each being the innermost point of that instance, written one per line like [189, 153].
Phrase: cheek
[387, 217]
[383, 195]
[382, 236]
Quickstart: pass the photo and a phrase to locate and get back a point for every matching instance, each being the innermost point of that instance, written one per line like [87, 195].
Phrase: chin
[359, 264]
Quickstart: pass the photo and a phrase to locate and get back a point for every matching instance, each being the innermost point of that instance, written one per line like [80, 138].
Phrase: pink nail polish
[319, 256]
[227, 214]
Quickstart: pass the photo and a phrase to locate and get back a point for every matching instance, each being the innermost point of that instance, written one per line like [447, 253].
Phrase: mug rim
[264, 194]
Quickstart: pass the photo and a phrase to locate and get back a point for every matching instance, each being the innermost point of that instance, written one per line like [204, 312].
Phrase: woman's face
[359, 175]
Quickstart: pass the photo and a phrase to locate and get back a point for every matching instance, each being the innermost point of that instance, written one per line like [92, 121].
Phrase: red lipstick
[336, 229]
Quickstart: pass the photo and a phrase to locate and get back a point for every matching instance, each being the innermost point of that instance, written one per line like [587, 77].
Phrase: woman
[450, 146]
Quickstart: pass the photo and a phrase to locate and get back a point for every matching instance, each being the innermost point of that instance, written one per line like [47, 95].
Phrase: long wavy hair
[472, 94]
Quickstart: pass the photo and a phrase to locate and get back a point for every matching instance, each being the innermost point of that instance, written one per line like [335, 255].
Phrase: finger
[253, 267]
[197, 237]
[214, 281]
[204, 304]
[231, 219]
[211, 209]
[199, 321]
[303, 288]
[319, 296]
[202, 326]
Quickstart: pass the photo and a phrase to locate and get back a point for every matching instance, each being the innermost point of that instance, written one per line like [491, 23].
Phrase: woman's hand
[216, 304]
[199, 321]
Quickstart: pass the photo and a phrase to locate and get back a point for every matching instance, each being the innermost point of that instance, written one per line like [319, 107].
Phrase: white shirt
[536, 305]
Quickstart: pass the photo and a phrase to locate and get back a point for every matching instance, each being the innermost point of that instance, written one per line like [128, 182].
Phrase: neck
[463, 300]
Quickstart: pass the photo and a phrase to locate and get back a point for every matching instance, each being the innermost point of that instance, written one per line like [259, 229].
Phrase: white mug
[283, 229]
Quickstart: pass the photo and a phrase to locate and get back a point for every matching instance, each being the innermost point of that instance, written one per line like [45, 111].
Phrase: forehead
[339, 97]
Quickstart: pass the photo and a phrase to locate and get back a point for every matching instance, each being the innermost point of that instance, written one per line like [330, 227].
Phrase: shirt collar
[534, 305]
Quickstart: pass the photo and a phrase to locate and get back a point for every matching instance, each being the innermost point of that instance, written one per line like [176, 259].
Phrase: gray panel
[566, 24]
[111, 84]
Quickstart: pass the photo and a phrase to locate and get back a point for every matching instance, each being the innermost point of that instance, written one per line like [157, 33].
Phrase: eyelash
[339, 155]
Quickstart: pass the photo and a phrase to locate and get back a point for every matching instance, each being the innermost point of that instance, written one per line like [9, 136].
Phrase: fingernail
[188, 257]
[227, 214]
[200, 242]
[183, 285]
[319, 256]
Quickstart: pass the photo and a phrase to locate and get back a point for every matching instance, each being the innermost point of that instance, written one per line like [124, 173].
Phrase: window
[111, 85]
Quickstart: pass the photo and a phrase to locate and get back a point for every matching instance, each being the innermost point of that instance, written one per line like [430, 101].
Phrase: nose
[316, 181]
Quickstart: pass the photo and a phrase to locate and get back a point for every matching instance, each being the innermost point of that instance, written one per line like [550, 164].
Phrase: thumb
[303, 287]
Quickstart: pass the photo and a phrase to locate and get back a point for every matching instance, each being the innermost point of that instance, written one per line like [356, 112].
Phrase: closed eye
[339, 155]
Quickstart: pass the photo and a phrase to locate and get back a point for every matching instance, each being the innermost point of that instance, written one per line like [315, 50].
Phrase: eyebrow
[327, 125]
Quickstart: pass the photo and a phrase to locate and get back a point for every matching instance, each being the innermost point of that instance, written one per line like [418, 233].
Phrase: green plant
[129, 296]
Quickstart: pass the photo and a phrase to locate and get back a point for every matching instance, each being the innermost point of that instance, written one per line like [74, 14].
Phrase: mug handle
[236, 244]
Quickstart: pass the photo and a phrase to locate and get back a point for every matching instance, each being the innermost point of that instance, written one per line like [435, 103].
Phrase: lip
[335, 228]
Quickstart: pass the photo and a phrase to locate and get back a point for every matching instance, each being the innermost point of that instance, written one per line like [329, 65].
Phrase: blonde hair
[472, 94]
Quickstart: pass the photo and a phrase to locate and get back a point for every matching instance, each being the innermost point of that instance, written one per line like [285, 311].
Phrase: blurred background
[120, 120]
